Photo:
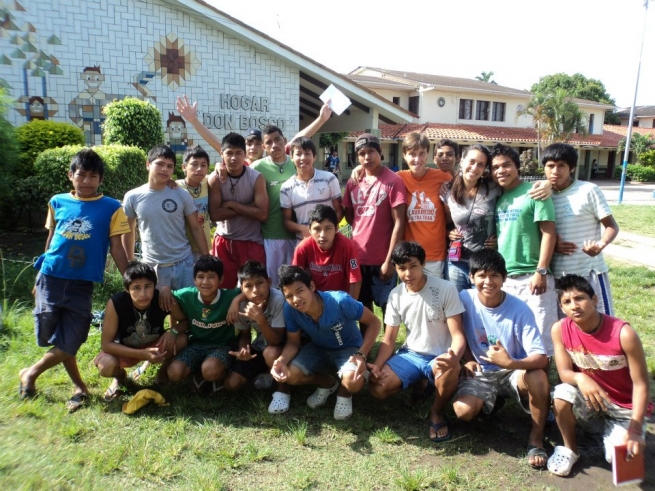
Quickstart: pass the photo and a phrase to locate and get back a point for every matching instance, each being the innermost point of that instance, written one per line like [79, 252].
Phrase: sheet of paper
[338, 100]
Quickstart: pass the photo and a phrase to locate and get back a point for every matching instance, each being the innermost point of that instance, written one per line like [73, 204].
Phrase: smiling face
[579, 306]
[141, 292]
[411, 273]
[473, 165]
[417, 160]
[504, 172]
[489, 285]
[85, 183]
[300, 296]
[559, 174]
[207, 283]
[256, 289]
[274, 144]
[323, 233]
[445, 158]
[303, 159]
[195, 169]
[234, 158]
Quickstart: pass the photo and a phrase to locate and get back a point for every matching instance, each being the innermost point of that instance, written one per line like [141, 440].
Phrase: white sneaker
[263, 381]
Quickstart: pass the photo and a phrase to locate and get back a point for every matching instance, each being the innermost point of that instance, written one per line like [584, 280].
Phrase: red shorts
[125, 361]
[233, 254]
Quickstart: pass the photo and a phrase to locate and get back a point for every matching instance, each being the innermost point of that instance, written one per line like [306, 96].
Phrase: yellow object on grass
[143, 398]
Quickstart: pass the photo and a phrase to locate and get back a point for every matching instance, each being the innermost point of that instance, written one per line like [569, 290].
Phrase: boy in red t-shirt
[601, 363]
[329, 256]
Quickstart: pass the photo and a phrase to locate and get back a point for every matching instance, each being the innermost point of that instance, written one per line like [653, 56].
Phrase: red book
[627, 471]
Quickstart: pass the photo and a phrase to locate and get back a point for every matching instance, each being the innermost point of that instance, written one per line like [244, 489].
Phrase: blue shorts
[62, 315]
[177, 275]
[311, 359]
[194, 355]
[373, 288]
[458, 273]
[411, 367]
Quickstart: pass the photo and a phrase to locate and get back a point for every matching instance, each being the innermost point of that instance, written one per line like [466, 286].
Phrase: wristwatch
[174, 332]
[542, 271]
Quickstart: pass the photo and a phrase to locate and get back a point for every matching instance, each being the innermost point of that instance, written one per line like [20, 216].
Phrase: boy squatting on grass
[82, 226]
[336, 344]
[431, 311]
[212, 340]
[601, 363]
[133, 329]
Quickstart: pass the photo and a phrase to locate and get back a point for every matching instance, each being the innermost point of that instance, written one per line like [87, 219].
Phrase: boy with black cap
[375, 207]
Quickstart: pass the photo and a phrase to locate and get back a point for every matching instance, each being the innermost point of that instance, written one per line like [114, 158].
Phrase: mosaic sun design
[173, 60]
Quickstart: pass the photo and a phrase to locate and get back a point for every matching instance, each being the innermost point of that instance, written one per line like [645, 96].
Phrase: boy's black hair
[233, 140]
[270, 129]
[500, 149]
[208, 263]
[405, 251]
[303, 143]
[570, 282]
[488, 260]
[162, 151]
[445, 142]
[290, 274]
[323, 212]
[137, 270]
[89, 161]
[560, 151]
[250, 269]
[195, 152]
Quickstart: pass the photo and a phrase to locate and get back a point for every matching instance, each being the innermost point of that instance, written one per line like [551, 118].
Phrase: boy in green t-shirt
[211, 337]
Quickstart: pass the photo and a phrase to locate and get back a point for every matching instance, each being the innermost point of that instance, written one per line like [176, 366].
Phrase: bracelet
[174, 331]
[361, 354]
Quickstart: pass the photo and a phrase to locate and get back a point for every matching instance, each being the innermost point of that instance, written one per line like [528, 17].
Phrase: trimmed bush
[647, 159]
[132, 122]
[8, 149]
[36, 136]
[637, 173]
[125, 168]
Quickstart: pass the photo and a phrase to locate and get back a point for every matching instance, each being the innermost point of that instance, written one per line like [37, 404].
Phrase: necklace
[195, 192]
[234, 183]
[141, 326]
[600, 321]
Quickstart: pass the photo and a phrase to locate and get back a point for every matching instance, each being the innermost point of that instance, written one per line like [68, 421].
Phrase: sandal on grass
[343, 408]
[320, 396]
[436, 427]
[280, 403]
[562, 460]
[138, 371]
[113, 392]
[76, 401]
[537, 452]
[24, 391]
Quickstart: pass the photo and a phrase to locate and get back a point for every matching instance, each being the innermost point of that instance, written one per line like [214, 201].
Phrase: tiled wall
[50, 51]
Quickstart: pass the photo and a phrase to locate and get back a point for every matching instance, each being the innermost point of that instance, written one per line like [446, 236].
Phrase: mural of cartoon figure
[176, 133]
[86, 109]
[36, 107]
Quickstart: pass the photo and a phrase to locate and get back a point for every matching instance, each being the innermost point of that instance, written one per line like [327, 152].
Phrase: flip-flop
[76, 401]
[536, 452]
[24, 391]
[436, 427]
[138, 371]
[112, 393]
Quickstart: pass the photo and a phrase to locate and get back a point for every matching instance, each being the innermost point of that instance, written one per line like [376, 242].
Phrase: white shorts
[435, 268]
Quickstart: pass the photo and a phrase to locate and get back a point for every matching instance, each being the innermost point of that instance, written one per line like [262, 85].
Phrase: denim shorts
[176, 276]
[194, 355]
[62, 315]
[411, 367]
[311, 359]
[458, 273]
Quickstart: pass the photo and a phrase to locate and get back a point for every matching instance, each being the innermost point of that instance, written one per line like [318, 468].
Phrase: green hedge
[132, 122]
[637, 173]
[125, 168]
[647, 158]
[36, 136]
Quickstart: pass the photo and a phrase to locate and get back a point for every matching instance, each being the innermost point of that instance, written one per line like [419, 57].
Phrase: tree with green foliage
[639, 144]
[486, 77]
[8, 151]
[331, 140]
[580, 87]
[132, 122]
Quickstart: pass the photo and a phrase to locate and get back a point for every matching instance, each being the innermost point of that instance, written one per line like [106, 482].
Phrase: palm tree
[486, 77]
[638, 144]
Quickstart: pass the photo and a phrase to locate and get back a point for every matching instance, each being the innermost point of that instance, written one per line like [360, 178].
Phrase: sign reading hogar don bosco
[228, 120]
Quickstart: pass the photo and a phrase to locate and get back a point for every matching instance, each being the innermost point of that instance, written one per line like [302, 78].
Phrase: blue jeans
[458, 274]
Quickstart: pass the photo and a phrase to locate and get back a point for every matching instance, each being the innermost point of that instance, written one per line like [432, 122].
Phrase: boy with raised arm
[82, 226]
[431, 311]
[162, 213]
[601, 363]
[308, 188]
[505, 355]
[329, 320]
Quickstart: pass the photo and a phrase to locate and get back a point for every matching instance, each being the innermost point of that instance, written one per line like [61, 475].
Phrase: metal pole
[632, 111]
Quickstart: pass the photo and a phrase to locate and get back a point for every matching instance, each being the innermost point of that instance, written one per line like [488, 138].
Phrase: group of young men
[277, 221]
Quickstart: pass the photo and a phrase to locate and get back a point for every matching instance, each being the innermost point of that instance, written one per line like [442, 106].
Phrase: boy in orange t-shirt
[426, 220]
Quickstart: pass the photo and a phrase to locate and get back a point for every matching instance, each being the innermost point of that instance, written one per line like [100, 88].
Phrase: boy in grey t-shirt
[161, 213]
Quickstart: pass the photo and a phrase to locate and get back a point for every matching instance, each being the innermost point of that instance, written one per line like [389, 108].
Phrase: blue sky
[519, 40]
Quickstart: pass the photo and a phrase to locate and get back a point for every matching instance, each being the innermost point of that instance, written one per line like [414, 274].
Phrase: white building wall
[45, 51]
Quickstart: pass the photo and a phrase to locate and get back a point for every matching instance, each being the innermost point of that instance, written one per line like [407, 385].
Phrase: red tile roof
[493, 134]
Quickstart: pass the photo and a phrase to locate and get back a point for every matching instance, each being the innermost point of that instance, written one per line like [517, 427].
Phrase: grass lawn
[229, 441]
[638, 219]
